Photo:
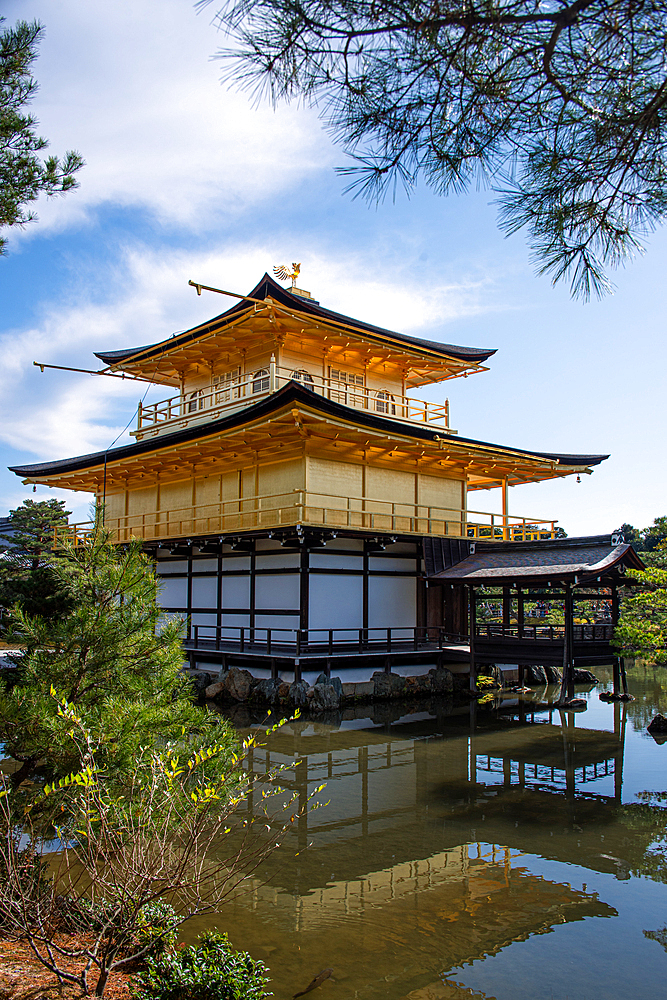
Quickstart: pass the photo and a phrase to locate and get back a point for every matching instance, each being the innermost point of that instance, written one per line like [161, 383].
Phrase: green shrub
[209, 970]
[157, 928]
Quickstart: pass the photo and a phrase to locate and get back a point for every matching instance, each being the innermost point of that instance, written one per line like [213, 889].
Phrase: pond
[516, 853]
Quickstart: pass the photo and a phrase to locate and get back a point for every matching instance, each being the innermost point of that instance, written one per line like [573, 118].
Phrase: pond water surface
[517, 853]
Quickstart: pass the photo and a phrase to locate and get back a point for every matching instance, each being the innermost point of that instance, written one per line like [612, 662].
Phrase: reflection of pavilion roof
[468, 908]
[577, 560]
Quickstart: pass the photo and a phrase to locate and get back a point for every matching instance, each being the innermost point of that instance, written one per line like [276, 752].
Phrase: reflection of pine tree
[647, 819]
[649, 686]
[659, 936]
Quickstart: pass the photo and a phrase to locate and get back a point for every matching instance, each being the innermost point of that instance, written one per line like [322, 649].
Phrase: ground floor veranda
[302, 601]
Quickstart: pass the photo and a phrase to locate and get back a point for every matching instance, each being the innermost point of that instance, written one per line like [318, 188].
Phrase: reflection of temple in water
[405, 854]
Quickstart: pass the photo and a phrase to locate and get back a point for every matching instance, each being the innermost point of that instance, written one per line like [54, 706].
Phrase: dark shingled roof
[495, 563]
[292, 392]
[267, 286]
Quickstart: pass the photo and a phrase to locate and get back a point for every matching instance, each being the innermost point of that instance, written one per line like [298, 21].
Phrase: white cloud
[133, 87]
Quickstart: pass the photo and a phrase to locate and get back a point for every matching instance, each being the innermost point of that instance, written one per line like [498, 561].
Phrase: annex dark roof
[292, 392]
[573, 559]
[267, 286]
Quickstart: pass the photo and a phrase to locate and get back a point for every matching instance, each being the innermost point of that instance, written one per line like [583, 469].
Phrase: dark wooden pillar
[472, 611]
[569, 638]
[434, 605]
[567, 685]
[455, 609]
[507, 607]
[614, 622]
[304, 566]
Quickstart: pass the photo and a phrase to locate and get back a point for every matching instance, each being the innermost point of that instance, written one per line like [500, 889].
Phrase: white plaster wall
[331, 560]
[235, 621]
[173, 593]
[277, 622]
[387, 564]
[335, 602]
[278, 560]
[204, 565]
[204, 592]
[279, 591]
[236, 592]
[392, 602]
[179, 566]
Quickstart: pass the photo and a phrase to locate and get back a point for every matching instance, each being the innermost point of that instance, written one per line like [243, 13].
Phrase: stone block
[214, 691]
[417, 685]
[237, 684]
[388, 685]
[442, 681]
[584, 676]
[325, 698]
[298, 693]
[267, 689]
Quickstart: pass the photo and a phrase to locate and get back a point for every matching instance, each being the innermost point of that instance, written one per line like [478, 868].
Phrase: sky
[188, 179]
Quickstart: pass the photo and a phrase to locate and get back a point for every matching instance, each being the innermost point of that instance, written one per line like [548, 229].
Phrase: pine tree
[111, 655]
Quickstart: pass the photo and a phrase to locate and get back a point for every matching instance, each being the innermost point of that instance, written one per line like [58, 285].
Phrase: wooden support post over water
[617, 659]
[569, 638]
[472, 604]
[567, 685]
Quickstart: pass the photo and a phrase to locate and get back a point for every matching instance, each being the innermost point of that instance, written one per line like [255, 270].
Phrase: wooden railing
[317, 510]
[536, 633]
[320, 641]
[216, 401]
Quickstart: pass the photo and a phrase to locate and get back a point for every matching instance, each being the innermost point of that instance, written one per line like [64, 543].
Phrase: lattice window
[301, 375]
[349, 378]
[260, 380]
[196, 401]
[384, 402]
[226, 386]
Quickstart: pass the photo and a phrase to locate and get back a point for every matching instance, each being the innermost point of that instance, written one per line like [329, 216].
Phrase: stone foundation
[236, 686]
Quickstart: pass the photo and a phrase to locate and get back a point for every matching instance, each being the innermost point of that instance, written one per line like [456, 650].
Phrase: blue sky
[187, 179]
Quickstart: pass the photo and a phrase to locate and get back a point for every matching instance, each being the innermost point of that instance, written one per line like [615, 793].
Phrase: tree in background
[559, 107]
[24, 175]
[650, 542]
[27, 576]
[111, 655]
[642, 628]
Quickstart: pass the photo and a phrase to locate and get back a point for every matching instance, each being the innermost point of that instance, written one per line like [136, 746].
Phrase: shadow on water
[512, 852]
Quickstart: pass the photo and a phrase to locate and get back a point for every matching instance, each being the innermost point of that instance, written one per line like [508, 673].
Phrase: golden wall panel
[435, 491]
[114, 506]
[340, 479]
[390, 484]
[282, 477]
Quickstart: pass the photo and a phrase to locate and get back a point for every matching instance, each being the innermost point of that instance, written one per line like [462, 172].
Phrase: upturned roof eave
[292, 392]
[608, 567]
[473, 355]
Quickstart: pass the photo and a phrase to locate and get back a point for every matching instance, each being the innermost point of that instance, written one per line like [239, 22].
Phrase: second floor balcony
[228, 396]
[316, 510]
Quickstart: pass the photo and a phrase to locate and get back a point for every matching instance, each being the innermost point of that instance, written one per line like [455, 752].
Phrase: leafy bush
[157, 928]
[209, 970]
